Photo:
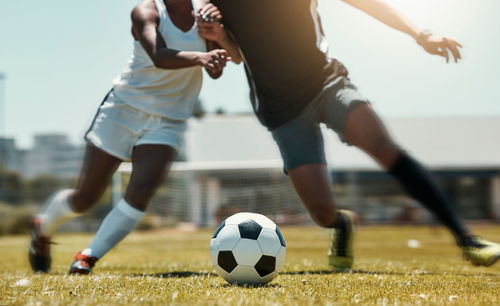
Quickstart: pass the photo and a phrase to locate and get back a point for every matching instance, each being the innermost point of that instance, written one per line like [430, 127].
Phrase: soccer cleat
[480, 252]
[82, 264]
[340, 254]
[39, 251]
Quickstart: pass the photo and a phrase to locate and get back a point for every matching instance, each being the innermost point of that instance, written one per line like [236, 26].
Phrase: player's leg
[96, 172]
[301, 146]
[150, 165]
[365, 130]
[351, 116]
[314, 187]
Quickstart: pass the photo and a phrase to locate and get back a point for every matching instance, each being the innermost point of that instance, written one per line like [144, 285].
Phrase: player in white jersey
[142, 120]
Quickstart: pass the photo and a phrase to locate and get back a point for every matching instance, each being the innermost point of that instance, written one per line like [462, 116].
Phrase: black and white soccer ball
[248, 248]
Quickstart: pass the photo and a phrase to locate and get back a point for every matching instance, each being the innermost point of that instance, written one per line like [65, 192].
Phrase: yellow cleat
[481, 252]
[340, 254]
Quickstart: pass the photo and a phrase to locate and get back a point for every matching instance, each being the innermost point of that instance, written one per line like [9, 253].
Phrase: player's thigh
[365, 130]
[150, 165]
[97, 170]
[154, 152]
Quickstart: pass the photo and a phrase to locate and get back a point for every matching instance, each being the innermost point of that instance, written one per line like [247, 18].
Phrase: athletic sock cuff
[63, 196]
[340, 221]
[129, 211]
[400, 163]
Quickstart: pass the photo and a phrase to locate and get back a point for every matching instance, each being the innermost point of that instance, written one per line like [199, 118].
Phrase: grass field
[173, 267]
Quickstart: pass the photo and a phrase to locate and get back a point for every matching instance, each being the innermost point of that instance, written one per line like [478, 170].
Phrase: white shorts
[118, 128]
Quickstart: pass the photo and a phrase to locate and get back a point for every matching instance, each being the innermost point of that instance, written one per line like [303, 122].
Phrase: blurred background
[57, 61]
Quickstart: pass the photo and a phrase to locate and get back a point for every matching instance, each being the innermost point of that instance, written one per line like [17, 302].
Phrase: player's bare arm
[433, 44]
[145, 21]
[210, 27]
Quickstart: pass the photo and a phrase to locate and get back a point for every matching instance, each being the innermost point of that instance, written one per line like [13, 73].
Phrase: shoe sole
[79, 272]
[489, 263]
[492, 260]
[342, 263]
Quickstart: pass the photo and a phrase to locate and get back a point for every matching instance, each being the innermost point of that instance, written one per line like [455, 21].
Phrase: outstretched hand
[439, 45]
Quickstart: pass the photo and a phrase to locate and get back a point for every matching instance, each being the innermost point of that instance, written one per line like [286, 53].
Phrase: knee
[138, 195]
[82, 201]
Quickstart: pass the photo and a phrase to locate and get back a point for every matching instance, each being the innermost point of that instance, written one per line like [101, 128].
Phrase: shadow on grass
[183, 274]
[175, 274]
[327, 272]
[200, 274]
[227, 285]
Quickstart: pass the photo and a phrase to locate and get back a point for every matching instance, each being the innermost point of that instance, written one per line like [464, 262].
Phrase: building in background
[11, 157]
[51, 155]
[7, 152]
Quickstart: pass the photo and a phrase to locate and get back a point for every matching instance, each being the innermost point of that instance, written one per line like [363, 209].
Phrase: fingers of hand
[211, 68]
[222, 52]
[205, 8]
[218, 62]
[214, 13]
[453, 46]
[210, 13]
[443, 51]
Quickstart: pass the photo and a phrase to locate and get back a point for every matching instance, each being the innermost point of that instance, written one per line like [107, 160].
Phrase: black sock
[417, 181]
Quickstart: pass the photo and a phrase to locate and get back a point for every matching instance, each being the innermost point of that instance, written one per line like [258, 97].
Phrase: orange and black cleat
[39, 251]
[82, 264]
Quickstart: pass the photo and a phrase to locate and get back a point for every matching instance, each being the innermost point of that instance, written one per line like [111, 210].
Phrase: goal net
[202, 194]
[205, 193]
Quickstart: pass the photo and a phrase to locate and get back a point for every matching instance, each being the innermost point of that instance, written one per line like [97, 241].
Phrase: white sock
[119, 222]
[57, 211]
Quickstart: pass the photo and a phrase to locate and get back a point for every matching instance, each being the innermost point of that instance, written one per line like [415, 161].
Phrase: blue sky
[61, 56]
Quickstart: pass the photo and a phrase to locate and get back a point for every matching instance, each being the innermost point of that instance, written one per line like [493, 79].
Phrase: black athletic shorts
[300, 140]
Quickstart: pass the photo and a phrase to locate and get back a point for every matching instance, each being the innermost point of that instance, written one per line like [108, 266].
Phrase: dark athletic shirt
[284, 53]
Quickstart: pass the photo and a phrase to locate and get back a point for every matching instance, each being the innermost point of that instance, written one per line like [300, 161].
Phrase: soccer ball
[248, 248]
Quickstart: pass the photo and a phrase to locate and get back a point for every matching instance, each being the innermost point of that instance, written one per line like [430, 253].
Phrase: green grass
[173, 267]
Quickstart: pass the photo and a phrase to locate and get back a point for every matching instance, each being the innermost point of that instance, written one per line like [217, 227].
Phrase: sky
[60, 57]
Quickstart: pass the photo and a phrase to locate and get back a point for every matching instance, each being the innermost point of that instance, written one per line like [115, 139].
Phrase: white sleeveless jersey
[169, 93]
